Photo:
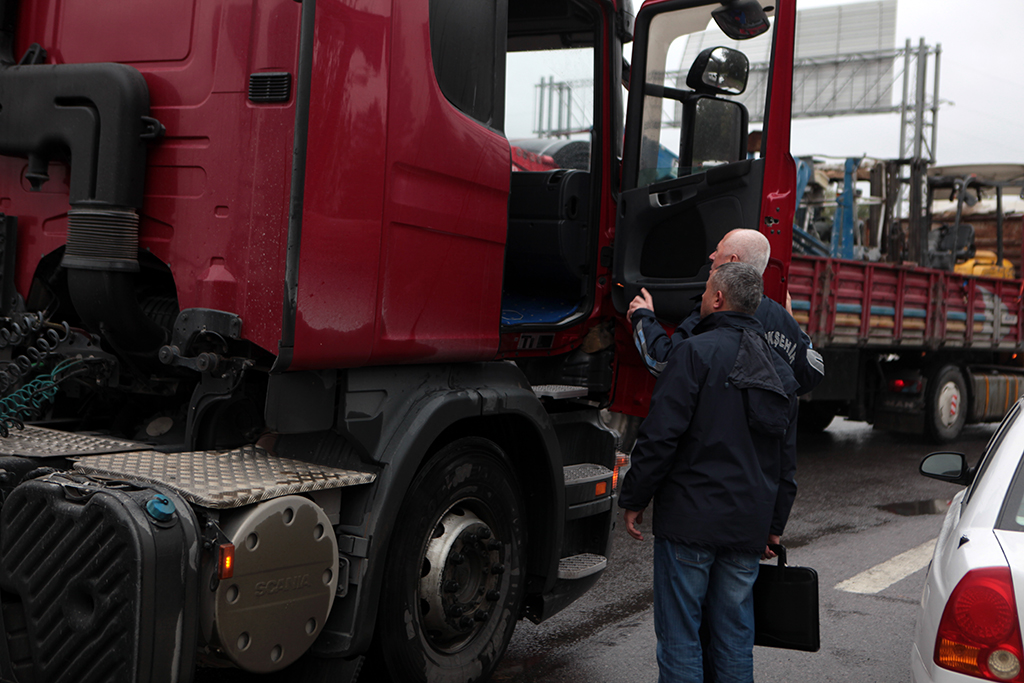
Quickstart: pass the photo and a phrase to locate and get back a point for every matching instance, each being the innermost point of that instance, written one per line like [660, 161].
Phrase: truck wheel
[815, 417]
[945, 404]
[453, 583]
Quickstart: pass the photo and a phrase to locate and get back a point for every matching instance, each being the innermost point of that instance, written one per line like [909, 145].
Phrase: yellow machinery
[985, 264]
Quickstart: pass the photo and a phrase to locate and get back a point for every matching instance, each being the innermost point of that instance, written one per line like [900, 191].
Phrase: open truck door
[687, 178]
[687, 175]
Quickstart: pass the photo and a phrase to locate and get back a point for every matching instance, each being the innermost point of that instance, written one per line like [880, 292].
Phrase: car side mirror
[948, 466]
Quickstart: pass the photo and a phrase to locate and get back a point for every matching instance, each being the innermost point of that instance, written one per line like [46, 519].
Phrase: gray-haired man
[717, 454]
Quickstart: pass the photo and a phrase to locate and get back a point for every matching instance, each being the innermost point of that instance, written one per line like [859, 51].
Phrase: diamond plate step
[223, 479]
[40, 442]
[579, 566]
[584, 473]
[559, 391]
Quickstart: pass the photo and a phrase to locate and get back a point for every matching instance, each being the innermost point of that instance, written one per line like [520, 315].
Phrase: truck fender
[400, 434]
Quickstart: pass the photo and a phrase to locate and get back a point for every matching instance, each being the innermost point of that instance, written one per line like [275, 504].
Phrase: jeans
[687, 577]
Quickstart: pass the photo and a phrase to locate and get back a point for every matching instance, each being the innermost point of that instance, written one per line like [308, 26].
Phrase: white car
[968, 623]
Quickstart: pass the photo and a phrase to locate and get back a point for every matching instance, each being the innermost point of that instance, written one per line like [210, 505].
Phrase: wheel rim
[949, 404]
[460, 582]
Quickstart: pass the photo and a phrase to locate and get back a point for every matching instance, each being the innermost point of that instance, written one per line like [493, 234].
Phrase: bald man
[782, 332]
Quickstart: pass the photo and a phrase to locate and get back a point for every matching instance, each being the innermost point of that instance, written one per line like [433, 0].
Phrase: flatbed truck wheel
[453, 582]
[945, 404]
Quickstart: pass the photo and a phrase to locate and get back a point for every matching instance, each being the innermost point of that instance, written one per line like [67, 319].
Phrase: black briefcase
[786, 606]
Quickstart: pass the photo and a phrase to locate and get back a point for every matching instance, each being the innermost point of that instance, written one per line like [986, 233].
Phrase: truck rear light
[621, 460]
[905, 386]
[979, 633]
[226, 561]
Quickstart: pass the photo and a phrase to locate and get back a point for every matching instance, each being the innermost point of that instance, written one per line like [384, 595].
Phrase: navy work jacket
[782, 333]
[717, 452]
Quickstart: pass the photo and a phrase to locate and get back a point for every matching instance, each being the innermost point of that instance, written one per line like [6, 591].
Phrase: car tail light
[979, 634]
[621, 460]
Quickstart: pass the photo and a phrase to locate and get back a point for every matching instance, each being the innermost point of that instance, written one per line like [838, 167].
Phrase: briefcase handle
[779, 550]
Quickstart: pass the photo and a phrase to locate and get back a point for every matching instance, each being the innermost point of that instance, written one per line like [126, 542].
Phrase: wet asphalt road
[860, 502]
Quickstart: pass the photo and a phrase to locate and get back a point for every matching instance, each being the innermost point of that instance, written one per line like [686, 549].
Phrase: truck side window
[549, 85]
[464, 48]
[549, 108]
[717, 126]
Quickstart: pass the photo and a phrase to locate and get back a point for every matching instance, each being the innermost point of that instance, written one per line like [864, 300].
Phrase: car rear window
[1011, 516]
[992, 447]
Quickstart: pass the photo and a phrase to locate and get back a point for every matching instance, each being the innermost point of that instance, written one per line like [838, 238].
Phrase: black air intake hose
[8, 14]
[96, 116]
[102, 240]
[107, 303]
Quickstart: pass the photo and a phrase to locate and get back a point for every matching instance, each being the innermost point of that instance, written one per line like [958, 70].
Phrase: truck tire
[815, 417]
[945, 404]
[453, 582]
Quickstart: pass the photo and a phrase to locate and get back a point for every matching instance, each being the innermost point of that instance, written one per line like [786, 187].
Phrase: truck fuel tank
[994, 393]
[266, 602]
[116, 569]
[100, 580]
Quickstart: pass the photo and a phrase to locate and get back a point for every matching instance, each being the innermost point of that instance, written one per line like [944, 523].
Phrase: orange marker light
[621, 460]
[601, 488]
[226, 562]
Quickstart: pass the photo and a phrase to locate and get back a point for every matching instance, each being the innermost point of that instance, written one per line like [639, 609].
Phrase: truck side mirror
[719, 71]
[742, 19]
[714, 133]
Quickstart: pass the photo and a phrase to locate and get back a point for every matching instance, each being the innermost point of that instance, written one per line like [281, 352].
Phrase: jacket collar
[728, 319]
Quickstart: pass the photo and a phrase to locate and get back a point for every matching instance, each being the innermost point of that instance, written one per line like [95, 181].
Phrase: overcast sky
[981, 119]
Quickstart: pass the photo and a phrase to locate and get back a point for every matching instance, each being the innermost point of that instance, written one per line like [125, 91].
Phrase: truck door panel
[339, 259]
[404, 261]
[685, 182]
[687, 175]
[678, 197]
[667, 230]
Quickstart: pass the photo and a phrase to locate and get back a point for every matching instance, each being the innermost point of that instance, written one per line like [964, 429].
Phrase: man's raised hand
[642, 300]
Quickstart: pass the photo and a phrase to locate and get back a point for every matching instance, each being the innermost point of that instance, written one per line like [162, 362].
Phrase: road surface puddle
[937, 506]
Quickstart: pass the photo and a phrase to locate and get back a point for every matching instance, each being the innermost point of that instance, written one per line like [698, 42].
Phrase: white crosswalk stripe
[883, 575]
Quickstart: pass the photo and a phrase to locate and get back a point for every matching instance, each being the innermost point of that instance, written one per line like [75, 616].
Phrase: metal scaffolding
[847, 63]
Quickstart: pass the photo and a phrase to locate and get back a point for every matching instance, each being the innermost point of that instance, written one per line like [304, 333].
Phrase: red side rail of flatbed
[856, 304]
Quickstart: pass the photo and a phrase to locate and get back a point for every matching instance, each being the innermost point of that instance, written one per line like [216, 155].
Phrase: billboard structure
[847, 63]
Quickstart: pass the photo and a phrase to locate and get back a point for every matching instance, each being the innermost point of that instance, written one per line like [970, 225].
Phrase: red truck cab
[316, 303]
